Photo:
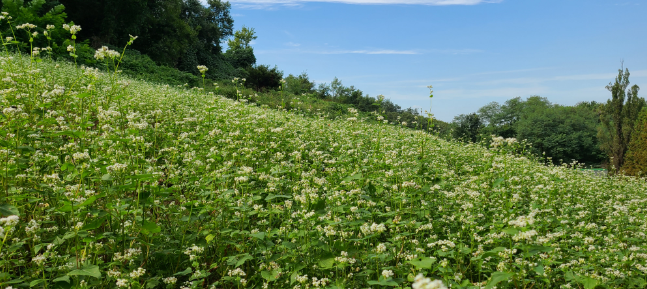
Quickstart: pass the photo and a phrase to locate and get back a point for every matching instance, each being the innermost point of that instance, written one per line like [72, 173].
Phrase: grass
[118, 182]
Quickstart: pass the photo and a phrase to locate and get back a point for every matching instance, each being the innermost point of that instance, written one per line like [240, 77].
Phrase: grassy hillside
[121, 183]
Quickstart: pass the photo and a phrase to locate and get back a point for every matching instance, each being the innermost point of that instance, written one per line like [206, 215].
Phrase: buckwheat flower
[387, 273]
[138, 273]
[39, 260]
[122, 283]
[71, 48]
[26, 26]
[243, 281]
[9, 38]
[9, 221]
[381, 248]
[170, 280]
[203, 69]
[50, 27]
[114, 273]
[425, 283]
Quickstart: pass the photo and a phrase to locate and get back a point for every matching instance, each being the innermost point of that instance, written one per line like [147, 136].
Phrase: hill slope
[123, 183]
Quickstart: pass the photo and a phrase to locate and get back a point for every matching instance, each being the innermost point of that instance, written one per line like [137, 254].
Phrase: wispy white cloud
[264, 4]
[293, 44]
[377, 51]
[374, 51]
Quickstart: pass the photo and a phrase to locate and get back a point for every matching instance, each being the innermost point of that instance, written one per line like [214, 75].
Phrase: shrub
[263, 78]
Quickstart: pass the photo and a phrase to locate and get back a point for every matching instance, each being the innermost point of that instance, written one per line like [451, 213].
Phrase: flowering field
[109, 182]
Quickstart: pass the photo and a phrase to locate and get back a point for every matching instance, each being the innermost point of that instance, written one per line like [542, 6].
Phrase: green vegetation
[636, 159]
[113, 182]
[119, 177]
[558, 133]
[618, 117]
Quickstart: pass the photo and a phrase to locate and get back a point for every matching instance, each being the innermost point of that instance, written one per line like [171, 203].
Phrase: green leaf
[94, 224]
[326, 263]
[588, 282]
[493, 252]
[36, 282]
[510, 231]
[498, 277]
[150, 228]
[272, 197]
[497, 182]
[91, 270]
[62, 279]
[259, 235]
[422, 262]
[185, 272]
[243, 259]
[8, 210]
[106, 177]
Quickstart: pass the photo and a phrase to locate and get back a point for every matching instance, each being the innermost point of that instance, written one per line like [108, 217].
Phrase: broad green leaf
[94, 224]
[106, 177]
[243, 259]
[62, 279]
[36, 282]
[90, 270]
[8, 210]
[422, 262]
[498, 277]
[150, 228]
[259, 235]
[185, 272]
[327, 263]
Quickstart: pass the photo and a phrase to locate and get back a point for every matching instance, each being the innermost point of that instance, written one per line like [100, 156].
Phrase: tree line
[611, 134]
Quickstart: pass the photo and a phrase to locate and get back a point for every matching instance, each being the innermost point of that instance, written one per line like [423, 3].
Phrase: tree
[563, 133]
[467, 127]
[636, 159]
[242, 38]
[239, 52]
[618, 117]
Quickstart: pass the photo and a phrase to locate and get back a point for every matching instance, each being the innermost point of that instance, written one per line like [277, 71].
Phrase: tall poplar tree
[617, 118]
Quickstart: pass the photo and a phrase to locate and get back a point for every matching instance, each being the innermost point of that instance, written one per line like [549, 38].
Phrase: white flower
[170, 280]
[387, 273]
[9, 221]
[425, 283]
[138, 273]
[381, 248]
[122, 283]
[203, 69]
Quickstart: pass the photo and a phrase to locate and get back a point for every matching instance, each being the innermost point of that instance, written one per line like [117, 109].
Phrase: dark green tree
[467, 127]
[618, 116]
[562, 133]
[636, 159]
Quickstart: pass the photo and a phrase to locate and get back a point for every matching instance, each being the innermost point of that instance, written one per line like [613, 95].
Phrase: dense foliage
[636, 160]
[113, 182]
[561, 133]
[618, 116]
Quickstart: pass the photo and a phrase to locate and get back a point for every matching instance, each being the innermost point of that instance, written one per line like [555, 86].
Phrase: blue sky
[472, 51]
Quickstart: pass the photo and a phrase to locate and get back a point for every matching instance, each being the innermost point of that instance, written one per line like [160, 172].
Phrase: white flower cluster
[26, 26]
[387, 273]
[105, 52]
[425, 283]
[73, 29]
[372, 229]
[203, 69]
[193, 251]
[137, 273]
[236, 272]
[522, 221]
